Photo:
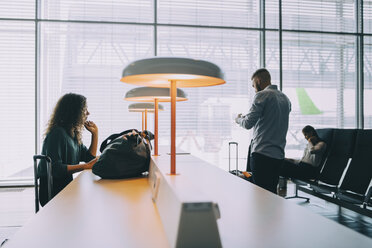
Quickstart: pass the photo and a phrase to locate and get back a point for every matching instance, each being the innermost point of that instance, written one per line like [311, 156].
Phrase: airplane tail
[307, 106]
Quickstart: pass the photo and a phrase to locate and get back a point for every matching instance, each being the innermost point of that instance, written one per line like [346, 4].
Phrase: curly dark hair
[70, 114]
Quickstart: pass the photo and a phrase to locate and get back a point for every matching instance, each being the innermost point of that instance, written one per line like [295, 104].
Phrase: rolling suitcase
[244, 175]
[236, 172]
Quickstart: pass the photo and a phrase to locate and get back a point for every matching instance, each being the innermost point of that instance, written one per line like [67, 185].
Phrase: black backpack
[124, 155]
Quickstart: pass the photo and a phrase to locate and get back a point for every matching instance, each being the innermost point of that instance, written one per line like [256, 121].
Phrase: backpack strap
[109, 139]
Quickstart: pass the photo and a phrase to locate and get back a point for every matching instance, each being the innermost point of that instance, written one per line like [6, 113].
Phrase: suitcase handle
[236, 144]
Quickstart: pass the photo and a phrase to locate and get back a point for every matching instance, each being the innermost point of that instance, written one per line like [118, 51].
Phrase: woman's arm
[93, 129]
[80, 167]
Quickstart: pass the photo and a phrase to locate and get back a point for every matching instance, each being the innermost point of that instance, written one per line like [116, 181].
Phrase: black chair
[340, 152]
[325, 134]
[36, 179]
[354, 186]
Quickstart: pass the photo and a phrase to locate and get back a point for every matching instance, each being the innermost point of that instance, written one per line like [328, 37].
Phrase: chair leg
[367, 198]
[297, 196]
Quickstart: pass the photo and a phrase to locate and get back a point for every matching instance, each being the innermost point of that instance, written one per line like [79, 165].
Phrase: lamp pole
[143, 120]
[173, 95]
[156, 103]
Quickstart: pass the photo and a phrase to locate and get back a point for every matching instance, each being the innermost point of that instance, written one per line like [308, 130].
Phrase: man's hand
[312, 140]
[91, 127]
[238, 118]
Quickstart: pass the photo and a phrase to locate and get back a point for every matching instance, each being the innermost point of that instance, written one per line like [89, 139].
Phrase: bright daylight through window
[52, 47]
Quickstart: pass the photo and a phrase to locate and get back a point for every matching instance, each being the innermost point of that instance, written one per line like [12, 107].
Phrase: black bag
[124, 157]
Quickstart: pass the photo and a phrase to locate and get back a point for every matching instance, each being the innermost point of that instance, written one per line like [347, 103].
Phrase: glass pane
[367, 82]
[319, 79]
[237, 13]
[88, 59]
[320, 15]
[102, 10]
[17, 9]
[367, 16]
[17, 98]
[205, 123]
[272, 56]
[272, 13]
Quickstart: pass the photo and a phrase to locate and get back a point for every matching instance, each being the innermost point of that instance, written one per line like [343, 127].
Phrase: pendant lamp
[144, 108]
[172, 72]
[156, 95]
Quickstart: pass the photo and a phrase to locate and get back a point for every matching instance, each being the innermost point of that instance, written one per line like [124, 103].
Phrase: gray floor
[17, 207]
[346, 217]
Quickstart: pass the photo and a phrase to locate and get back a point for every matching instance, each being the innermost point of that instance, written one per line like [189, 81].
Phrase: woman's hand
[90, 164]
[91, 127]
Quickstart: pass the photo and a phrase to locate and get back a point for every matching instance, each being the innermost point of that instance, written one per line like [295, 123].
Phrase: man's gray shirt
[269, 117]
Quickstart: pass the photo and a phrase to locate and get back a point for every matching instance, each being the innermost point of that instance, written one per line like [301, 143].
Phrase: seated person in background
[63, 144]
[308, 166]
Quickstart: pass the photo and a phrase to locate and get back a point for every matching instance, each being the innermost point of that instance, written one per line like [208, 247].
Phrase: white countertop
[91, 212]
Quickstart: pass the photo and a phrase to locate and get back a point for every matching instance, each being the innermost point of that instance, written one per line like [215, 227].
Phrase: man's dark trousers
[265, 171]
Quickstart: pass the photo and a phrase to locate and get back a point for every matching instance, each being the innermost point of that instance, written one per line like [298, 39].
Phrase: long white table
[91, 212]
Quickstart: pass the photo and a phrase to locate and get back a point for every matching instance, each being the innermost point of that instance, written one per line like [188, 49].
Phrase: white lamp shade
[141, 107]
[149, 94]
[159, 71]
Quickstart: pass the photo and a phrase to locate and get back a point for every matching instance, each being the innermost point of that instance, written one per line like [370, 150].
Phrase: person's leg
[274, 166]
[307, 171]
[298, 171]
[265, 171]
[288, 169]
[249, 158]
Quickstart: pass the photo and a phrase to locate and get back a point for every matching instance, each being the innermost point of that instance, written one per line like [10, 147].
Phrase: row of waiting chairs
[346, 170]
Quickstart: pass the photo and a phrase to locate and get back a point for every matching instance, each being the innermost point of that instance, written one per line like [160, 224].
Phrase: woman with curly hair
[63, 144]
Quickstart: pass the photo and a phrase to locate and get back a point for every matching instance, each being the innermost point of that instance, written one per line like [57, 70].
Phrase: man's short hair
[309, 130]
[262, 74]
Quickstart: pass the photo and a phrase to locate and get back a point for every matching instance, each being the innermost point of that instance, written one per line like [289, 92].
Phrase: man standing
[268, 116]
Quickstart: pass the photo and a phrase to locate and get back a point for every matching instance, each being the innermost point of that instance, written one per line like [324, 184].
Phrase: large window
[367, 42]
[52, 47]
[368, 82]
[17, 97]
[319, 79]
[205, 122]
[88, 59]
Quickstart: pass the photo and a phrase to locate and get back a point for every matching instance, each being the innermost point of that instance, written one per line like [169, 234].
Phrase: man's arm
[318, 148]
[255, 112]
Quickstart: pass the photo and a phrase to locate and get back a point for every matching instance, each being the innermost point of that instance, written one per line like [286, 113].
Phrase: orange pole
[145, 119]
[156, 152]
[173, 94]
